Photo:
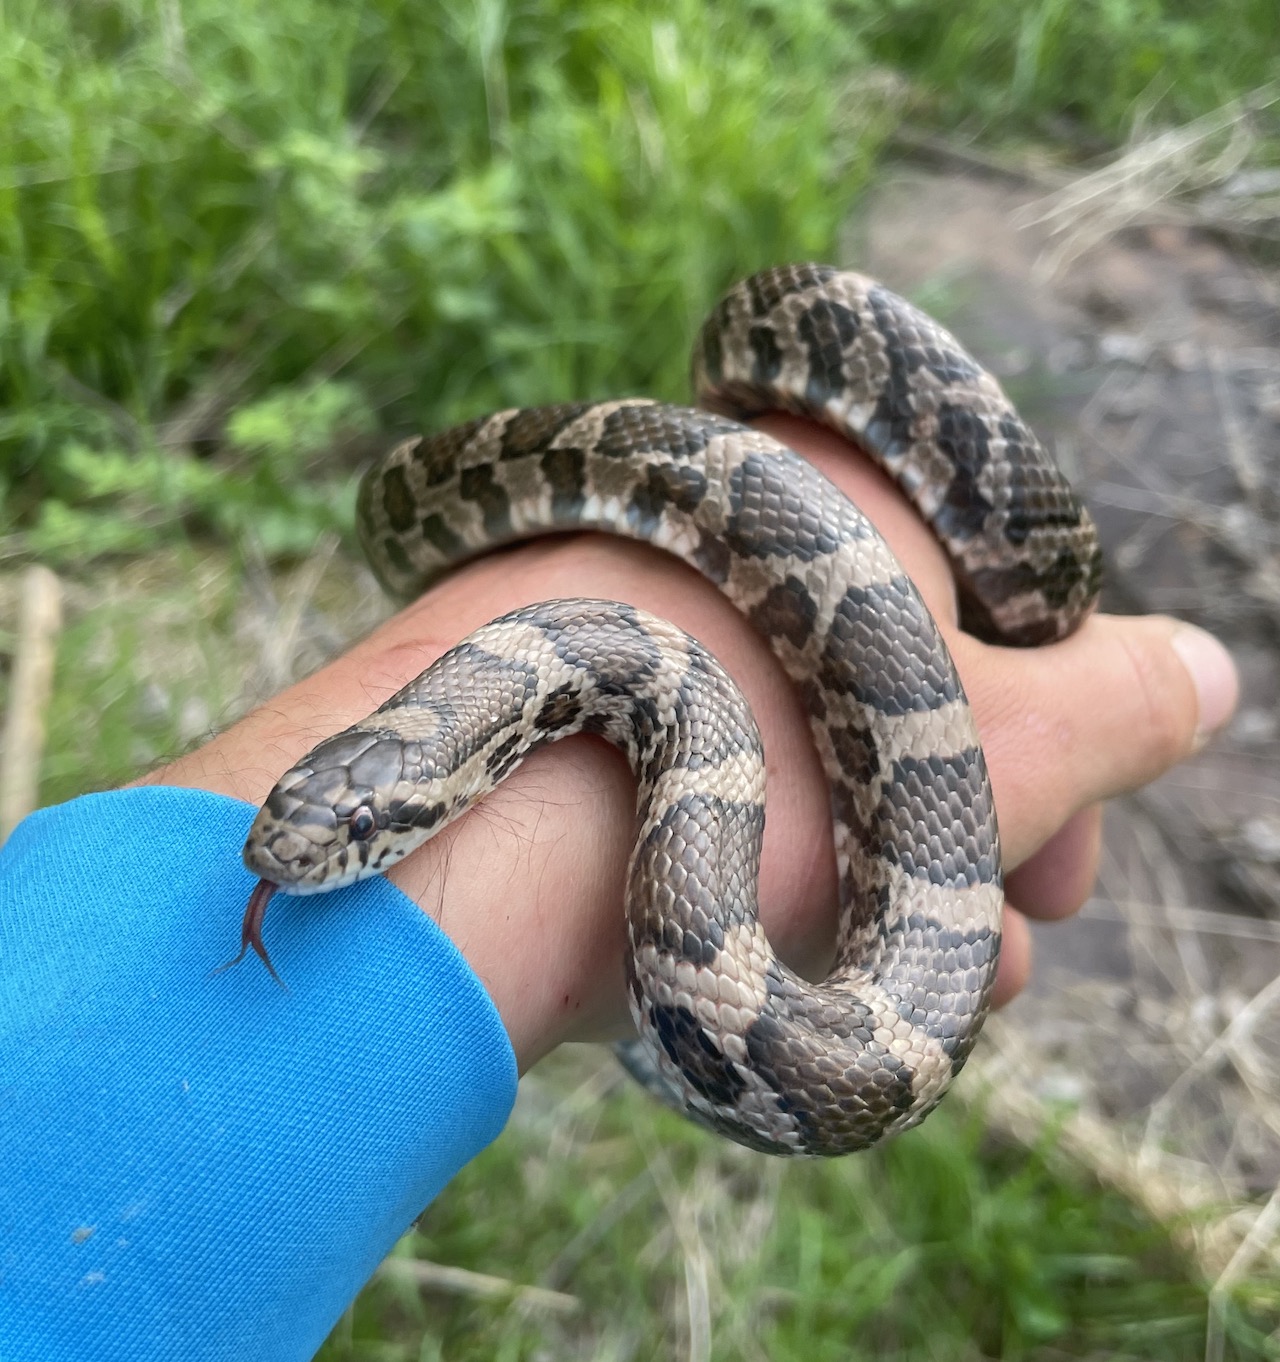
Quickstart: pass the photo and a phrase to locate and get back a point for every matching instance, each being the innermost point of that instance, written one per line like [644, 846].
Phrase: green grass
[444, 208]
[396, 214]
[1063, 68]
[147, 665]
[151, 660]
[939, 1246]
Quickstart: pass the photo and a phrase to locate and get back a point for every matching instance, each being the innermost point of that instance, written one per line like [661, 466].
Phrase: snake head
[350, 809]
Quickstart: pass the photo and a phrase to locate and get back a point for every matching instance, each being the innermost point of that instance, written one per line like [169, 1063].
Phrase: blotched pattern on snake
[727, 1032]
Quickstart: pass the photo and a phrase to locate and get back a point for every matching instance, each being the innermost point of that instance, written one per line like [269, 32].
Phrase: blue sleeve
[207, 1166]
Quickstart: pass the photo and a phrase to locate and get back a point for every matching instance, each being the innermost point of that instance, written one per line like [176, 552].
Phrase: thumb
[1102, 712]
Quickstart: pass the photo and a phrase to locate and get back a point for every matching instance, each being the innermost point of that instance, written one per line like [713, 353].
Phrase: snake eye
[362, 823]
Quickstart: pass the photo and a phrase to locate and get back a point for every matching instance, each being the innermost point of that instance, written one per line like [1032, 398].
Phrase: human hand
[530, 886]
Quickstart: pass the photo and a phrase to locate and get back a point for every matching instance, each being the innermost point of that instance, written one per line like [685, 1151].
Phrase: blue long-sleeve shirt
[200, 1165]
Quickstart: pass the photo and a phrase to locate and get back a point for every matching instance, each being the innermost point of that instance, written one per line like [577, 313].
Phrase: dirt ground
[1151, 362]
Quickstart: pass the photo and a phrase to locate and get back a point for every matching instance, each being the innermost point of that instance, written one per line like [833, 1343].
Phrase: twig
[40, 619]
[622, 1204]
[963, 156]
[206, 406]
[1166, 1107]
[684, 1213]
[122, 421]
[1181, 919]
[1262, 1236]
[282, 643]
[459, 1281]
[1244, 462]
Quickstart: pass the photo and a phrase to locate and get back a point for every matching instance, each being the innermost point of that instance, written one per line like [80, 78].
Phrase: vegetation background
[243, 245]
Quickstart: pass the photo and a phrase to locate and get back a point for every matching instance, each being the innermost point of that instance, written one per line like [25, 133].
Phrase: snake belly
[726, 1031]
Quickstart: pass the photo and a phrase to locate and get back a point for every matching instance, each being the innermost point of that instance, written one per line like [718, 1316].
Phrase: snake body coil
[727, 1032]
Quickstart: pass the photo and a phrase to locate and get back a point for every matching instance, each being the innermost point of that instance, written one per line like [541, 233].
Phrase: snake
[725, 1031]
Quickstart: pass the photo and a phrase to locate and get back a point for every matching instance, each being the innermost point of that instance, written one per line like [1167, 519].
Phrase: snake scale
[727, 1033]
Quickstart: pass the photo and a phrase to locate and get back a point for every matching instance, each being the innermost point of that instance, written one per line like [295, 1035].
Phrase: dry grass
[1204, 172]
[1161, 1059]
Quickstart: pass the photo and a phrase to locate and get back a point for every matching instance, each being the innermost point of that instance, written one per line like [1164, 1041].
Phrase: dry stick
[1205, 920]
[1166, 1107]
[963, 156]
[683, 1218]
[40, 618]
[278, 655]
[1263, 1234]
[1244, 462]
[458, 1281]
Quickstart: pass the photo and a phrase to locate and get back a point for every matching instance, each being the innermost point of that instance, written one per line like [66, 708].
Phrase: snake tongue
[251, 929]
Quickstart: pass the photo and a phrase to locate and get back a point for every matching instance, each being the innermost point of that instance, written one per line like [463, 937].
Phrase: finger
[1104, 711]
[1057, 880]
[1014, 968]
